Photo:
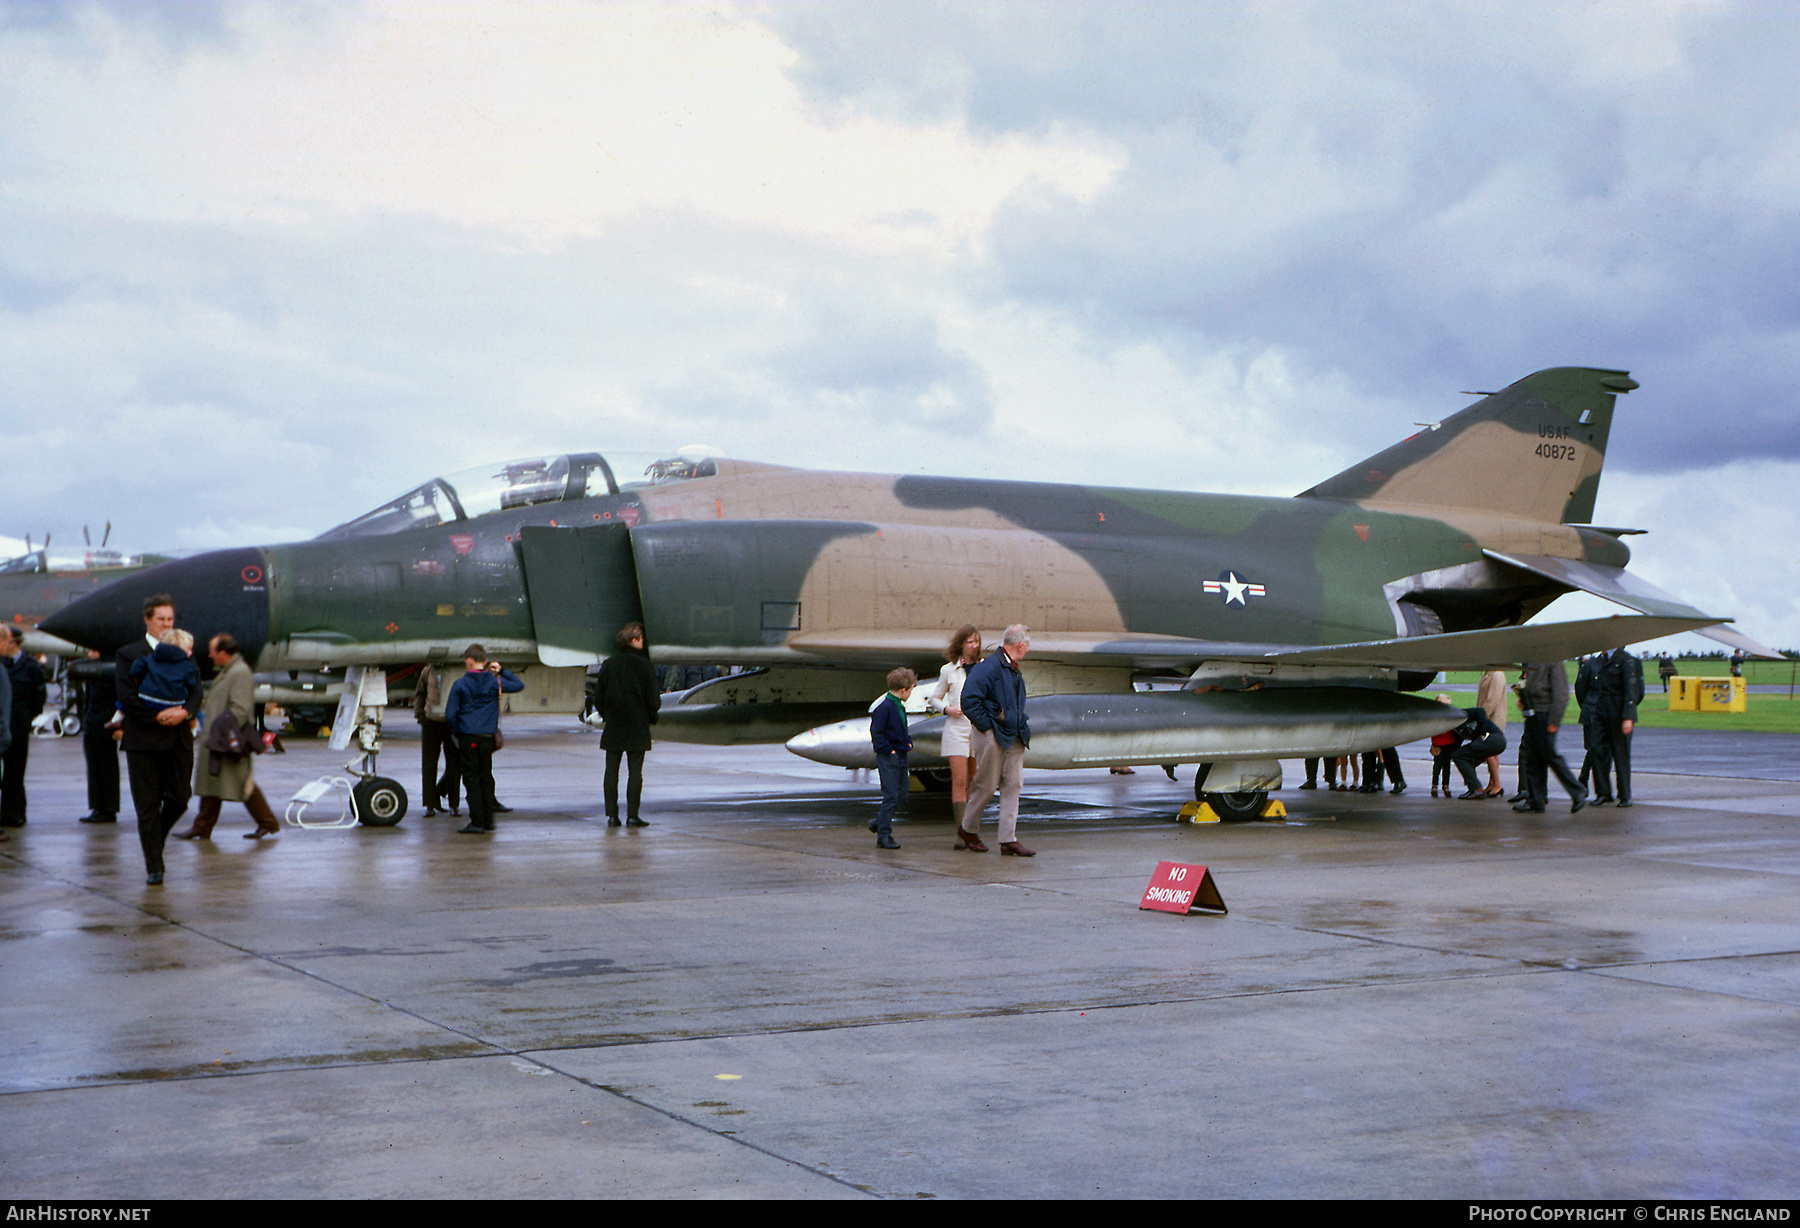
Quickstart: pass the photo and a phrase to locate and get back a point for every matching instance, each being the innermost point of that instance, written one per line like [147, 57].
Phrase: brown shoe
[969, 840]
[1015, 849]
[191, 834]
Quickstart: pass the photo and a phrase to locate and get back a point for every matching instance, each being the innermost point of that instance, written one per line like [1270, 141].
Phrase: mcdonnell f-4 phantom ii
[1299, 625]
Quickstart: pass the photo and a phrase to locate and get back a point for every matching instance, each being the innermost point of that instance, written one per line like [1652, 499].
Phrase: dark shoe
[1496, 791]
[1622, 805]
[1471, 795]
[1577, 805]
[97, 817]
[874, 826]
[191, 834]
[1311, 784]
[612, 820]
[455, 813]
[260, 832]
[1516, 798]
[1169, 770]
[1015, 849]
[969, 840]
[1398, 789]
[153, 879]
[1528, 808]
[634, 821]
[497, 808]
[471, 830]
[887, 842]
[432, 812]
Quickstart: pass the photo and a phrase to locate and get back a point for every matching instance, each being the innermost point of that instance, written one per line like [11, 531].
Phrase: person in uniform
[158, 743]
[1544, 698]
[28, 694]
[627, 699]
[1616, 684]
[99, 705]
[434, 740]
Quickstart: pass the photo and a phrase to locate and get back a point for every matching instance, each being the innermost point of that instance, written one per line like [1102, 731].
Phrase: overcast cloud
[263, 266]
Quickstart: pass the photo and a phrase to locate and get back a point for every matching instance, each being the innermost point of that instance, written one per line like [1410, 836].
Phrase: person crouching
[892, 742]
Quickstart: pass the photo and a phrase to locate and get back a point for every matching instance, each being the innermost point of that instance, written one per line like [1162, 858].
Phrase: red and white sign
[1176, 887]
[462, 543]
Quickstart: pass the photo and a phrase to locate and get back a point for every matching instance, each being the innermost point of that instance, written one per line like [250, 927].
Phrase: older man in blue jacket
[993, 699]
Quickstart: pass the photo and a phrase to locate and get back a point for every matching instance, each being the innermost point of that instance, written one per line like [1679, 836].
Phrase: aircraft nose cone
[226, 590]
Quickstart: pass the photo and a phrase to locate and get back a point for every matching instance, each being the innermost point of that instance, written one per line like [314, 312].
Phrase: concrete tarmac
[1410, 997]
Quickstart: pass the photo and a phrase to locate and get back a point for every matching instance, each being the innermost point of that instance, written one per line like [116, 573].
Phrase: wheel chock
[1198, 812]
[1273, 809]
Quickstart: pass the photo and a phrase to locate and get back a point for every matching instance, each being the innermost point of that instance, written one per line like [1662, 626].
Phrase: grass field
[1768, 713]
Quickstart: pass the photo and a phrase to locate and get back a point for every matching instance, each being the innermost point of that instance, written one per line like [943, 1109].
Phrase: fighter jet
[1298, 625]
[36, 583]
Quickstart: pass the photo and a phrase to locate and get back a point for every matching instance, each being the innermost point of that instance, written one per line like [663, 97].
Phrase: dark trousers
[477, 754]
[1612, 755]
[207, 816]
[102, 754]
[160, 790]
[1312, 771]
[434, 739]
[1538, 757]
[892, 768]
[634, 782]
[1470, 754]
[12, 779]
[1377, 761]
[1440, 767]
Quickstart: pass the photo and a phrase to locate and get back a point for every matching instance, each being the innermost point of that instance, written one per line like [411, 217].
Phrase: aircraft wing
[1458, 650]
[1616, 584]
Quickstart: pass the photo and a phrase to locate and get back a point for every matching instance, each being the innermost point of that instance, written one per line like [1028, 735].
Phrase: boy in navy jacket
[887, 732]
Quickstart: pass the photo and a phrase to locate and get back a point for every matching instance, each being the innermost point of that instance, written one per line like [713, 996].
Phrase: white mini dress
[949, 695]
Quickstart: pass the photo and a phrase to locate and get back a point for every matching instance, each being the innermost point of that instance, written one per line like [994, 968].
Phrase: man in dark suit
[28, 693]
[1615, 687]
[158, 743]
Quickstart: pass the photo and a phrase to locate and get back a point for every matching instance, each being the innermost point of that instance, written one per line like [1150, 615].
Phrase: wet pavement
[1410, 996]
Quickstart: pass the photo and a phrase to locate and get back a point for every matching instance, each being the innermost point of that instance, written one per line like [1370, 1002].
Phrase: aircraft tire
[1237, 805]
[379, 802]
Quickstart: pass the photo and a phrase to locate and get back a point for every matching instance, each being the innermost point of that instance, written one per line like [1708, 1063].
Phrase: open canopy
[522, 483]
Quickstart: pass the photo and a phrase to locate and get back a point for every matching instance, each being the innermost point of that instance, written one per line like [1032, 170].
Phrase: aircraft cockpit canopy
[524, 483]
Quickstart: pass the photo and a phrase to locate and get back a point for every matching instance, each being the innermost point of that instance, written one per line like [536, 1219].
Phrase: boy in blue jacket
[473, 714]
[887, 732]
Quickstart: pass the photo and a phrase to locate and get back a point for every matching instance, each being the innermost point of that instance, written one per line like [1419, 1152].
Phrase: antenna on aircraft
[104, 536]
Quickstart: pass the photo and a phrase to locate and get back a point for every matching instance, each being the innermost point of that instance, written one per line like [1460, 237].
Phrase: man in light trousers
[994, 702]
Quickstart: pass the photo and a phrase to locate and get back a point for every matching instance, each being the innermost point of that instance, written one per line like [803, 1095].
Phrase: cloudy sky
[264, 266]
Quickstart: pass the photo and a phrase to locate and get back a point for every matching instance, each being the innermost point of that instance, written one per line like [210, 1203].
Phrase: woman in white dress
[963, 651]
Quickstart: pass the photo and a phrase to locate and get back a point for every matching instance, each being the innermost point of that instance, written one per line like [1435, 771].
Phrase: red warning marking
[252, 574]
[462, 543]
[1362, 531]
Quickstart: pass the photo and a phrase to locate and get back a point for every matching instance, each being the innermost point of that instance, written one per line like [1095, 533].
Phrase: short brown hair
[954, 649]
[900, 679]
[153, 604]
[476, 653]
[629, 632]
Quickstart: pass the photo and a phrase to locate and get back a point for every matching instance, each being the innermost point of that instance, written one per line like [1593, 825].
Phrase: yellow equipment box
[1684, 694]
[1723, 695]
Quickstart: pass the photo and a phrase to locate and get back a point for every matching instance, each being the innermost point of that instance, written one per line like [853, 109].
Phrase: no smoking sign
[1176, 887]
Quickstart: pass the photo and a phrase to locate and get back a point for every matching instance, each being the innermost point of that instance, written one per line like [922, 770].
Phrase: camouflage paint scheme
[1372, 579]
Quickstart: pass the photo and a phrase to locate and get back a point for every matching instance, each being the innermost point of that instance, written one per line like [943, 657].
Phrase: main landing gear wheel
[379, 802]
[1228, 805]
[1236, 805]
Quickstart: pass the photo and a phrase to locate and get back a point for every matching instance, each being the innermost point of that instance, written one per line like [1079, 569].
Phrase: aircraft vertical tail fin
[1534, 449]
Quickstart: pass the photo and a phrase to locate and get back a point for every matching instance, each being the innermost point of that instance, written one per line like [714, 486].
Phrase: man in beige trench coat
[234, 691]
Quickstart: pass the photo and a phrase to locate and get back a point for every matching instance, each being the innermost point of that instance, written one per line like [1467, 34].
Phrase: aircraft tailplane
[1534, 449]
